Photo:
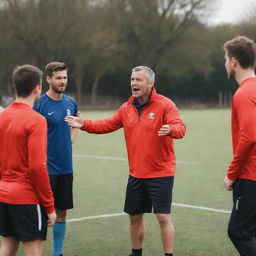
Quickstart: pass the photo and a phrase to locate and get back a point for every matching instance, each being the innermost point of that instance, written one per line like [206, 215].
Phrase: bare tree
[150, 27]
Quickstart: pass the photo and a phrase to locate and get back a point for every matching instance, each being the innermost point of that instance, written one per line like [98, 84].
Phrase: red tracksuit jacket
[149, 155]
[23, 144]
[243, 165]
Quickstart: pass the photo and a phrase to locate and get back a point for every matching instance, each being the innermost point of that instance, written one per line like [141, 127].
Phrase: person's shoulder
[69, 99]
[246, 87]
[33, 118]
[42, 98]
[245, 93]
[125, 105]
[163, 100]
[66, 97]
[41, 101]
[37, 116]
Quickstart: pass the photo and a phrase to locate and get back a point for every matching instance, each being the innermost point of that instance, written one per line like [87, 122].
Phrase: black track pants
[242, 223]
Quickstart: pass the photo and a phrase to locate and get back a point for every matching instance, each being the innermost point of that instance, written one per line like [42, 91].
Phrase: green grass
[99, 188]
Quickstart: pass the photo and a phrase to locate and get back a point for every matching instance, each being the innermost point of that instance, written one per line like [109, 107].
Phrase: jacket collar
[152, 96]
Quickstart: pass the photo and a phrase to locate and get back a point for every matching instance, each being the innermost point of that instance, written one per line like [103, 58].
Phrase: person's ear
[48, 79]
[233, 61]
[151, 83]
[37, 90]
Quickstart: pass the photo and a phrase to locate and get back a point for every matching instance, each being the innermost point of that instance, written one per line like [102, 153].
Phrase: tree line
[102, 40]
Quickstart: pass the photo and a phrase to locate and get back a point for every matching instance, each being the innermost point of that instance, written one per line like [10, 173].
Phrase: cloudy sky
[231, 11]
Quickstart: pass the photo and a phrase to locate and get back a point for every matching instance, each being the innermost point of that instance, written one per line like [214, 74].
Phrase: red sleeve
[37, 150]
[172, 117]
[0, 162]
[244, 109]
[107, 125]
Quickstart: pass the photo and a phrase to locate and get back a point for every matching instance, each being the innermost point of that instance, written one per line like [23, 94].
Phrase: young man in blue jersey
[54, 106]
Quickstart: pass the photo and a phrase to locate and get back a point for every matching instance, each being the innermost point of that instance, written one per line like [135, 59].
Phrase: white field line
[100, 157]
[174, 204]
[97, 217]
[201, 208]
[118, 158]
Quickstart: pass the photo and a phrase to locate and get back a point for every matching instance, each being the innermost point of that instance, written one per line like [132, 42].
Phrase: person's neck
[54, 95]
[245, 74]
[143, 100]
[28, 100]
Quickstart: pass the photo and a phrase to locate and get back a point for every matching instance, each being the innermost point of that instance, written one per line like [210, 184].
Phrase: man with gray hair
[150, 122]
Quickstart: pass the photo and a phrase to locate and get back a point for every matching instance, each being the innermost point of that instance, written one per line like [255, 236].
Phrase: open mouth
[135, 89]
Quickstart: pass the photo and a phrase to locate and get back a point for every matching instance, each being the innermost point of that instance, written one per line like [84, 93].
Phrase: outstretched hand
[75, 121]
[164, 130]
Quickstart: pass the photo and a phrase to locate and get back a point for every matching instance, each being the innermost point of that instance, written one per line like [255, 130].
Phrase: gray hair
[149, 72]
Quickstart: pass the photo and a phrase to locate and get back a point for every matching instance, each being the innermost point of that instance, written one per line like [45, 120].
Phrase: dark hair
[54, 66]
[243, 49]
[25, 78]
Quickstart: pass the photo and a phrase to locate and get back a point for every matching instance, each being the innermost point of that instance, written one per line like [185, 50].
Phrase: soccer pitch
[97, 225]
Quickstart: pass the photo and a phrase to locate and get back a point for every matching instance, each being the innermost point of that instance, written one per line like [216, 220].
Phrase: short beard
[57, 91]
[231, 75]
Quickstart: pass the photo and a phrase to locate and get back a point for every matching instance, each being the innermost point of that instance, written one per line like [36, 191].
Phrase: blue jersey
[59, 149]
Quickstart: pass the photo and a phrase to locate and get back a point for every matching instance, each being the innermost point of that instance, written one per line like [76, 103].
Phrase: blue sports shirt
[59, 149]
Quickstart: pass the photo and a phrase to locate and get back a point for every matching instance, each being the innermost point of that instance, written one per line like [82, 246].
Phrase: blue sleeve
[36, 107]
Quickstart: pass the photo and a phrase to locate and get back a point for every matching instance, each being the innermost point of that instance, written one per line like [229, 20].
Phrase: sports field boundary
[173, 204]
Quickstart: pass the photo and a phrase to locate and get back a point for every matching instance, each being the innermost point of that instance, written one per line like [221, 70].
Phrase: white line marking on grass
[118, 158]
[200, 208]
[97, 217]
[174, 204]
[101, 157]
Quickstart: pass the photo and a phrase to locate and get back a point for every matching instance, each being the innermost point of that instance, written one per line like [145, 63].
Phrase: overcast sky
[232, 11]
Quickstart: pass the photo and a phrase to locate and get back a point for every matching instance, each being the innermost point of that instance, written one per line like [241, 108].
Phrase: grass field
[99, 189]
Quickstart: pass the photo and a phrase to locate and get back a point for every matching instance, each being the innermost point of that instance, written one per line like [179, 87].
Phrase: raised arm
[107, 125]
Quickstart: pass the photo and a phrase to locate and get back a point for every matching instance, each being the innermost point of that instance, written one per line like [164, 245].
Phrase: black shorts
[62, 188]
[25, 222]
[143, 194]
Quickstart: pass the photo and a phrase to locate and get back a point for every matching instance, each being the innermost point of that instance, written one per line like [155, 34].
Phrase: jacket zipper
[138, 113]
